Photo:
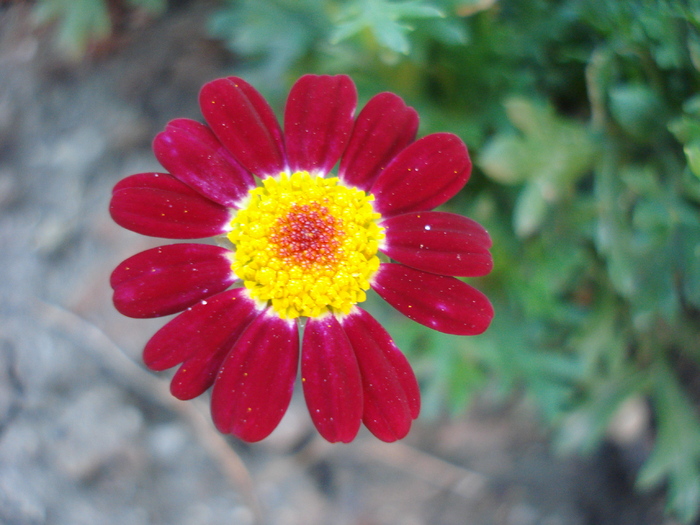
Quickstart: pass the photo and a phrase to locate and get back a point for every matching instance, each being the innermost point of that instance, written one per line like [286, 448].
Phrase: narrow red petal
[442, 303]
[391, 394]
[255, 383]
[199, 329]
[159, 205]
[383, 128]
[331, 380]
[245, 124]
[318, 121]
[424, 175]
[203, 333]
[197, 374]
[192, 153]
[168, 279]
[438, 242]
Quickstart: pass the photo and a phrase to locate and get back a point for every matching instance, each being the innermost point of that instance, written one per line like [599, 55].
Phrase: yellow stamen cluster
[306, 244]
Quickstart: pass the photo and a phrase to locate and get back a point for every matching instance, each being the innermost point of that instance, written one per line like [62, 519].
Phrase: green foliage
[687, 130]
[273, 35]
[80, 22]
[548, 158]
[677, 449]
[280, 39]
[155, 7]
[384, 20]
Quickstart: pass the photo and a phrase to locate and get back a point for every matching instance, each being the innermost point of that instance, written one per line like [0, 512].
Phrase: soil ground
[88, 435]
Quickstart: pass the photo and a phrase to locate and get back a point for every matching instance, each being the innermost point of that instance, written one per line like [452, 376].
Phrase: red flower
[303, 250]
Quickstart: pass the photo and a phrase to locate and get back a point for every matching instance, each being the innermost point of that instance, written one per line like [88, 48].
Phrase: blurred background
[578, 406]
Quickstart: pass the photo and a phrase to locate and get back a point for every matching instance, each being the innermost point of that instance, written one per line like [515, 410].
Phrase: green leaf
[687, 130]
[512, 351]
[583, 429]
[649, 255]
[271, 35]
[551, 154]
[549, 147]
[688, 261]
[450, 372]
[638, 109]
[530, 209]
[503, 157]
[676, 454]
[692, 153]
[156, 7]
[446, 30]
[78, 22]
[602, 340]
[384, 20]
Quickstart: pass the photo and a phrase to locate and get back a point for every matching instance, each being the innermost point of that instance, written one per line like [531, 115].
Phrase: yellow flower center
[306, 244]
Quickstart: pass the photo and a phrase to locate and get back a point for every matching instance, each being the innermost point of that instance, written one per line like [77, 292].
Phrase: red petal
[168, 279]
[331, 380]
[391, 394]
[424, 175]
[318, 121]
[201, 337]
[442, 303]
[245, 124]
[255, 383]
[384, 127]
[438, 242]
[193, 154]
[159, 205]
[197, 374]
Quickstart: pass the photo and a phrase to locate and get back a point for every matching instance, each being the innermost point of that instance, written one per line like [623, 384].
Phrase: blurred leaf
[78, 22]
[601, 339]
[503, 157]
[384, 20]
[657, 27]
[449, 31]
[558, 150]
[687, 264]
[450, 371]
[583, 428]
[647, 254]
[530, 209]
[638, 109]
[271, 34]
[687, 130]
[156, 7]
[676, 453]
[551, 154]
[510, 351]
[692, 153]
[664, 250]
[471, 7]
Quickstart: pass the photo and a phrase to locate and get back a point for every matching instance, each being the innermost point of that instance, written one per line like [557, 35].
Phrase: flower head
[299, 247]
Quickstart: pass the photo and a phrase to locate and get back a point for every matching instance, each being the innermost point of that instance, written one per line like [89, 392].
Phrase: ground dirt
[89, 436]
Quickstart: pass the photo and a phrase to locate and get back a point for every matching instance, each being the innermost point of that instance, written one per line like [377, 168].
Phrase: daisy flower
[297, 250]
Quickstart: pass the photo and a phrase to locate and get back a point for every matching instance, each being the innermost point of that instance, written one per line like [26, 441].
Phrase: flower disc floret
[306, 244]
